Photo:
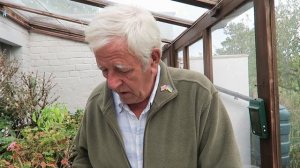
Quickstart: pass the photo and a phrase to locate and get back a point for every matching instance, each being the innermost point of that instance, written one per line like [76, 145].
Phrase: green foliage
[7, 134]
[241, 40]
[44, 145]
[288, 45]
[22, 94]
[34, 133]
[288, 55]
[50, 115]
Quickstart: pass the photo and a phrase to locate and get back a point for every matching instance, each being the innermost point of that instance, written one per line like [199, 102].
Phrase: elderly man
[147, 114]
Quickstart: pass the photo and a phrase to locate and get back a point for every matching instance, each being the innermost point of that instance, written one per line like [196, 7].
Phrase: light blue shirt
[132, 128]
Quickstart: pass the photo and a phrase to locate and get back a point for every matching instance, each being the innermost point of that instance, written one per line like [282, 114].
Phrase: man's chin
[130, 101]
[127, 100]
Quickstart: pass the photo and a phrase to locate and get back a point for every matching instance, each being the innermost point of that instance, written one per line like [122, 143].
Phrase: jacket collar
[166, 90]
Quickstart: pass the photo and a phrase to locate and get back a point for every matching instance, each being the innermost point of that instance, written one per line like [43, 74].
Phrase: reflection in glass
[168, 7]
[196, 56]
[169, 31]
[180, 63]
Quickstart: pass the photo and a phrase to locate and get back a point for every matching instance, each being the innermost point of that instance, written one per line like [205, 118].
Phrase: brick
[91, 73]
[56, 62]
[38, 50]
[83, 67]
[74, 73]
[49, 56]
[39, 63]
[64, 68]
[61, 75]
[76, 61]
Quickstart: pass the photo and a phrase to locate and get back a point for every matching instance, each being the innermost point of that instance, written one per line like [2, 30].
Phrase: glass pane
[287, 14]
[234, 72]
[66, 8]
[180, 63]
[85, 12]
[5, 49]
[196, 56]
[61, 7]
[169, 31]
[168, 7]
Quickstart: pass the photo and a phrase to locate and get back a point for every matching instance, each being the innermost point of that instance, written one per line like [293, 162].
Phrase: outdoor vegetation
[35, 130]
[240, 39]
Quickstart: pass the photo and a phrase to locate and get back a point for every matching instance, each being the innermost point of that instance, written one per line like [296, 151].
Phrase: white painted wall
[196, 64]
[72, 64]
[16, 36]
[231, 72]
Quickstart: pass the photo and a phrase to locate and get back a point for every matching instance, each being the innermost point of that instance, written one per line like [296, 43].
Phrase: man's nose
[113, 81]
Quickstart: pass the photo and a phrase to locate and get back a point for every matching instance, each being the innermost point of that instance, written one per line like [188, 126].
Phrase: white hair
[137, 26]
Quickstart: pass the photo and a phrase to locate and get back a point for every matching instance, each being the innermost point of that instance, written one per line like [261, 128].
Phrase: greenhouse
[248, 49]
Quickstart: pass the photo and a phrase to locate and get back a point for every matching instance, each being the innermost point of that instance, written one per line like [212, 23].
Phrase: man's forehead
[117, 65]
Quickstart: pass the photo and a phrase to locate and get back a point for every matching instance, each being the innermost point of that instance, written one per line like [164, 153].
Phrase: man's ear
[155, 55]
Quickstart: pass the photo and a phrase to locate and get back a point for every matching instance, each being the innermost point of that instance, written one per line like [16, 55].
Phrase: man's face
[124, 72]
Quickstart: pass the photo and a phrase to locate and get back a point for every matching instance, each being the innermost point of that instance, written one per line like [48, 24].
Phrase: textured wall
[72, 64]
[17, 37]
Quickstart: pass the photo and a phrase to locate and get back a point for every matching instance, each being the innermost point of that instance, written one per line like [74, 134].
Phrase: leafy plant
[7, 134]
[22, 94]
[49, 116]
[34, 133]
[43, 146]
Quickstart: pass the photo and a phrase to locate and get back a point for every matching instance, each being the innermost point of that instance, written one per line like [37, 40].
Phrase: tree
[241, 40]
[288, 44]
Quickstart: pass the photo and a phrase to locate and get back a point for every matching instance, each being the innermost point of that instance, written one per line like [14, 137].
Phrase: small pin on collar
[166, 88]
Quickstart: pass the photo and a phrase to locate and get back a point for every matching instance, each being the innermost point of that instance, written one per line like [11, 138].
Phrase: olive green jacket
[187, 127]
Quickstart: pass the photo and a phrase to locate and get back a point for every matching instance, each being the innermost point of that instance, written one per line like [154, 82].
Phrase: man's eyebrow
[118, 66]
[121, 66]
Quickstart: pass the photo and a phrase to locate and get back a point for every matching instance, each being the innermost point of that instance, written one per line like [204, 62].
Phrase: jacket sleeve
[217, 146]
[80, 158]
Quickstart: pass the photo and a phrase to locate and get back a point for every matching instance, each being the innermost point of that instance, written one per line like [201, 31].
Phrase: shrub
[23, 94]
[44, 145]
[34, 131]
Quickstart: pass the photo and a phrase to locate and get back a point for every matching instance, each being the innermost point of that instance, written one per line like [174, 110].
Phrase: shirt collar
[119, 105]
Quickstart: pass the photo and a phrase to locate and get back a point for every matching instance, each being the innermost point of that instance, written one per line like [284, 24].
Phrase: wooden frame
[207, 54]
[267, 86]
[200, 3]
